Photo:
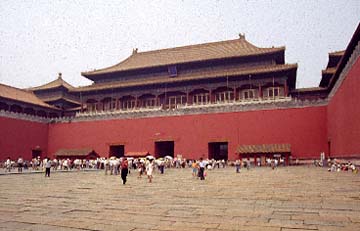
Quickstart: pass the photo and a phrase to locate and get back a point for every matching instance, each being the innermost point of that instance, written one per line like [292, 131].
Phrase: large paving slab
[285, 199]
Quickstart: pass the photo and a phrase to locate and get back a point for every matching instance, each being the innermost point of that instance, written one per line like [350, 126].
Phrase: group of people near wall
[146, 166]
[124, 165]
[337, 166]
[35, 164]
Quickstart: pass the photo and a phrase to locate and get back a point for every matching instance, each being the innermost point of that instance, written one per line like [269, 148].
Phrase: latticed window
[248, 94]
[224, 96]
[176, 100]
[149, 103]
[202, 98]
[91, 106]
[109, 104]
[274, 92]
[128, 104]
[113, 104]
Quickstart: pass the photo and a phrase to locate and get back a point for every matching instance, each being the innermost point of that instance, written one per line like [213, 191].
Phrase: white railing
[231, 106]
[238, 102]
[23, 116]
[118, 112]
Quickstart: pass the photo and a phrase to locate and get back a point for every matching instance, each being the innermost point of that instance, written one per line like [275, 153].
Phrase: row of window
[197, 99]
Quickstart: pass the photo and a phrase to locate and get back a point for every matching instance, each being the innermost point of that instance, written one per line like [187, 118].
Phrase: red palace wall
[304, 128]
[344, 116]
[20, 137]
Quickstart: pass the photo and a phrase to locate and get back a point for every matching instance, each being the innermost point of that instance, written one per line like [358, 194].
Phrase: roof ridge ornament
[135, 51]
[59, 76]
[241, 35]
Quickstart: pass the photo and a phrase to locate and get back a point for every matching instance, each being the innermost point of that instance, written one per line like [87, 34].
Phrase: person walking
[8, 164]
[124, 170]
[202, 169]
[237, 165]
[47, 167]
[248, 164]
[106, 165]
[20, 163]
[149, 170]
[140, 168]
[194, 167]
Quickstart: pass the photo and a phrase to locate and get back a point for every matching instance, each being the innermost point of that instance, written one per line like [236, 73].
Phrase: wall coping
[285, 103]
[22, 116]
[228, 107]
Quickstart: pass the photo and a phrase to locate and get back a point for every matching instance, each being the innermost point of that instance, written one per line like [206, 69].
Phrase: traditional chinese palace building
[222, 100]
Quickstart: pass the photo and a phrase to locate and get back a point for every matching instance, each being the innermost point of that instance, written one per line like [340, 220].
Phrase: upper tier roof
[192, 53]
[337, 53]
[17, 94]
[345, 57]
[200, 75]
[53, 84]
[308, 89]
[56, 98]
[334, 59]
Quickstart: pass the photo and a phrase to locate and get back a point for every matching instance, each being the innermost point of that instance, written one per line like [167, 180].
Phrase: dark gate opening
[117, 150]
[35, 153]
[218, 150]
[164, 148]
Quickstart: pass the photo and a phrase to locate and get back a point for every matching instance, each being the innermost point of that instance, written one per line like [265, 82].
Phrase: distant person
[20, 163]
[223, 162]
[237, 166]
[8, 164]
[162, 166]
[202, 169]
[194, 167]
[47, 167]
[248, 164]
[106, 166]
[140, 167]
[124, 170]
[149, 170]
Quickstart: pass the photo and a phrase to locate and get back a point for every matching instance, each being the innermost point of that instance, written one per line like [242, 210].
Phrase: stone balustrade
[232, 106]
[23, 116]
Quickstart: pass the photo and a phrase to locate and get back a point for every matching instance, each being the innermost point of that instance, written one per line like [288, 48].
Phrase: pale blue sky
[40, 38]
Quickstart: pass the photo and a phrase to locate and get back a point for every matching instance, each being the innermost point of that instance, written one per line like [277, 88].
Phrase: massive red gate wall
[304, 128]
[20, 137]
[344, 116]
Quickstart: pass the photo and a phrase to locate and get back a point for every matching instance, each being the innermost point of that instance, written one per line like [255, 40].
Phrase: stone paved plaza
[291, 198]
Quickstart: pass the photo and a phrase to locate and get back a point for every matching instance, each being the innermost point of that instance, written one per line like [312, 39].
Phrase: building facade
[221, 100]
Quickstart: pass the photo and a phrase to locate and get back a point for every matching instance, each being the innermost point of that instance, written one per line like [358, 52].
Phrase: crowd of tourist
[336, 166]
[146, 165]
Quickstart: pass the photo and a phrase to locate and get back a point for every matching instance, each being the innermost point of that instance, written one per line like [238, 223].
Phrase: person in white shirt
[8, 164]
[47, 167]
[149, 170]
[20, 163]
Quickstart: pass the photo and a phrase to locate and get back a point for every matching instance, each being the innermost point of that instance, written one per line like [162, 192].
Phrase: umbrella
[168, 157]
[113, 158]
[150, 157]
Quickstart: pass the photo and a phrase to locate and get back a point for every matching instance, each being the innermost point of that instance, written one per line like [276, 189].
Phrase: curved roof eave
[270, 69]
[109, 70]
